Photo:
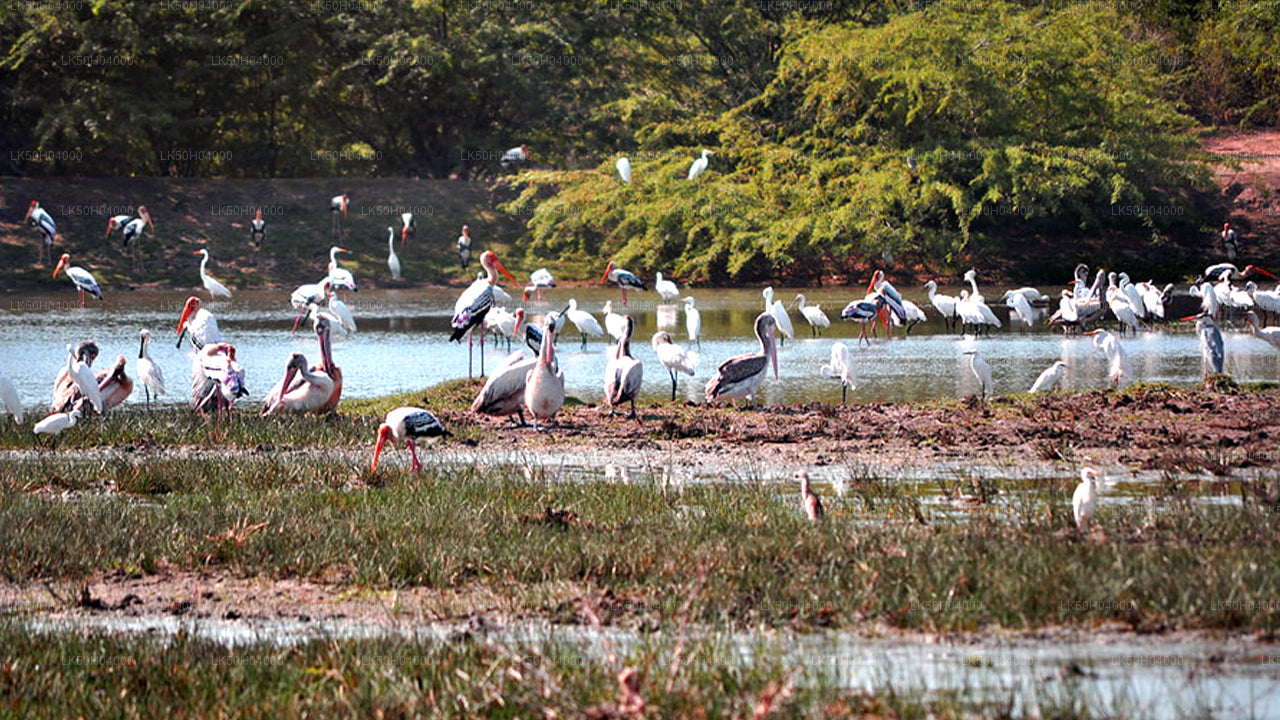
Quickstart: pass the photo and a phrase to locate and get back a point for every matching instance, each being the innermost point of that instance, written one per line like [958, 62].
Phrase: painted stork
[408, 424]
[338, 207]
[740, 377]
[623, 279]
[863, 311]
[257, 230]
[474, 304]
[215, 288]
[41, 220]
[149, 373]
[84, 282]
[306, 296]
[217, 379]
[624, 375]
[200, 323]
[541, 278]
[514, 156]
[408, 227]
[133, 230]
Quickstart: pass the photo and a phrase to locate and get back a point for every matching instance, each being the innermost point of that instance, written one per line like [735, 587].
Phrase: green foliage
[1020, 121]
[1237, 78]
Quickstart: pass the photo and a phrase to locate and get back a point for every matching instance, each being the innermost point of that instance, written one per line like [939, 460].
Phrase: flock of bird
[536, 383]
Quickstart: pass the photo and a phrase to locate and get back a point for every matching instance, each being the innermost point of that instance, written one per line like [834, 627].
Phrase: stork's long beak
[182, 323]
[773, 342]
[404, 232]
[111, 225]
[62, 262]
[519, 319]
[498, 264]
[608, 269]
[1264, 273]
[30, 209]
[147, 216]
[1188, 318]
[384, 432]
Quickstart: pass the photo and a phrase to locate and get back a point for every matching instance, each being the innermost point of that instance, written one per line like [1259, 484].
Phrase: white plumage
[393, 262]
[1049, 379]
[624, 169]
[9, 399]
[665, 288]
[841, 367]
[699, 166]
[813, 315]
[215, 288]
[57, 422]
[149, 373]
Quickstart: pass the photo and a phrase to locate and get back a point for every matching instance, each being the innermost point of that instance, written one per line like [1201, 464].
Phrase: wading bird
[393, 262]
[665, 288]
[544, 385]
[614, 324]
[42, 221]
[1022, 309]
[503, 393]
[944, 304]
[132, 232]
[199, 323]
[464, 248]
[692, 321]
[84, 282]
[863, 311]
[1049, 379]
[623, 279]
[624, 375]
[56, 423]
[1212, 353]
[699, 166]
[407, 424]
[85, 382]
[1267, 334]
[541, 278]
[257, 230]
[215, 288]
[514, 156]
[1116, 357]
[740, 377]
[674, 358]
[1085, 499]
[10, 401]
[338, 276]
[64, 386]
[779, 313]
[306, 296]
[338, 206]
[981, 370]
[809, 499]
[504, 324]
[408, 227]
[813, 315]
[149, 373]
[841, 367]
[584, 321]
[624, 169]
[474, 304]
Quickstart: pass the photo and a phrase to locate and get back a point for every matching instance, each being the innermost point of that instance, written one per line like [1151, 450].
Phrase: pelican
[217, 380]
[944, 304]
[623, 279]
[114, 385]
[1268, 334]
[57, 422]
[82, 375]
[503, 393]
[544, 384]
[304, 389]
[464, 248]
[699, 166]
[474, 304]
[197, 321]
[1211, 350]
[614, 323]
[408, 227]
[308, 295]
[393, 262]
[215, 288]
[692, 321]
[863, 311]
[338, 205]
[340, 277]
[665, 288]
[813, 315]
[808, 498]
[41, 220]
[584, 321]
[981, 370]
[257, 230]
[674, 358]
[514, 156]
[407, 423]
[10, 402]
[64, 386]
[1085, 499]
[81, 277]
[1116, 357]
[149, 373]
[740, 377]
[779, 313]
[841, 366]
[624, 374]
[1049, 379]
[624, 169]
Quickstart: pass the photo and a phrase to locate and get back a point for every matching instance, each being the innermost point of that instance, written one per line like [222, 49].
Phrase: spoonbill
[64, 386]
[692, 321]
[740, 376]
[1031, 294]
[1049, 379]
[1116, 357]
[514, 156]
[624, 375]
[200, 323]
[544, 385]
[624, 169]
[813, 315]
[464, 247]
[149, 373]
[504, 324]
[257, 230]
[408, 424]
[584, 321]
[841, 366]
[42, 221]
[674, 358]
[809, 499]
[56, 423]
[338, 206]
[944, 304]
[84, 282]
[541, 278]
[1212, 353]
[613, 322]
[699, 166]
[1085, 499]
[407, 227]
[623, 279]
[779, 313]
[474, 303]
[10, 401]
[215, 288]
[1267, 334]
[665, 288]
[981, 370]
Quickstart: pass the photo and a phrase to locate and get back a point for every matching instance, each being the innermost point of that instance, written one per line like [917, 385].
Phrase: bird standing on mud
[544, 385]
[740, 377]
[624, 374]
[674, 358]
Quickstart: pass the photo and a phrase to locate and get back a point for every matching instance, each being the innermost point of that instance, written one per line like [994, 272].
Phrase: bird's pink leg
[413, 452]
[469, 334]
[624, 296]
[298, 319]
[81, 297]
[482, 334]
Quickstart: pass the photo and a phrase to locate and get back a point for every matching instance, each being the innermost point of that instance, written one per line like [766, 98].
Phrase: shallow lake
[402, 344]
